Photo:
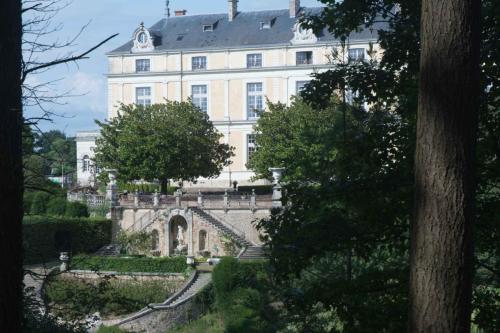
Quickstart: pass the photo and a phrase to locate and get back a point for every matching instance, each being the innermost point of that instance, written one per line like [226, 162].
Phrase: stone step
[201, 281]
[220, 226]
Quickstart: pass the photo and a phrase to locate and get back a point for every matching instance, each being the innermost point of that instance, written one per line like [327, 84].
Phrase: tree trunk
[11, 188]
[441, 249]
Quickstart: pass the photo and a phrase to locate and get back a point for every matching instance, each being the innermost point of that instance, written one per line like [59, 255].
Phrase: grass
[209, 323]
[75, 298]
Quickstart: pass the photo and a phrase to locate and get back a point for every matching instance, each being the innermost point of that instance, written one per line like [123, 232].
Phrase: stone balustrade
[94, 200]
[208, 201]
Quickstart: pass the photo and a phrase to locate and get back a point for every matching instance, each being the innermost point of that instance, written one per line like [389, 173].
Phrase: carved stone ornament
[302, 35]
[143, 42]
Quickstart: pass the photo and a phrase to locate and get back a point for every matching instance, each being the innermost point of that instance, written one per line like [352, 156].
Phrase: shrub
[56, 206]
[39, 203]
[43, 236]
[130, 264]
[241, 295]
[74, 298]
[76, 209]
[110, 329]
[135, 243]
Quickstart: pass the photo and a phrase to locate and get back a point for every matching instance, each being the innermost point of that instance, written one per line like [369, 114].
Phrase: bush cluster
[73, 299]
[43, 203]
[44, 237]
[130, 264]
[241, 296]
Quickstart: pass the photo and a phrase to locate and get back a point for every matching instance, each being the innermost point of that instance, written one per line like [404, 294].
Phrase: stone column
[156, 199]
[178, 195]
[200, 199]
[253, 202]
[111, 188]
[136, 199]
[226, 199]
[277, 195]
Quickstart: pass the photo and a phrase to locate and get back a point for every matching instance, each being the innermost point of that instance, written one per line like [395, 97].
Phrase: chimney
[180, 12]
[294, 7]
[233, 9]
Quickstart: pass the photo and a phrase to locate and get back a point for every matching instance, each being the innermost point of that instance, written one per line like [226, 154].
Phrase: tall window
[304, 58]
[254, 100]
[200, 96]
[251, 146]
[143, 96]
[299, 86]
[86, 163]
[254, 60]
[356, 54]
[142, 65]
[198, 63]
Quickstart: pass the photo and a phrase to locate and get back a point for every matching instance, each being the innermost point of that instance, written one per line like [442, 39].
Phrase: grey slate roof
[186, 32]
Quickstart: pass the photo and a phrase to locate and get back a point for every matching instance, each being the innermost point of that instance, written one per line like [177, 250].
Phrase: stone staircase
[253, 253]
[240, 239]
[200, 282]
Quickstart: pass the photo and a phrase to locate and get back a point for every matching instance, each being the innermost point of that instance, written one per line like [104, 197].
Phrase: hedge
[242, 295]
[44, 237]
[130, 264]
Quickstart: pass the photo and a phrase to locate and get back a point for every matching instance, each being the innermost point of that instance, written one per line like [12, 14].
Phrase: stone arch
[202, 240]
[178, 233]
[172, 217]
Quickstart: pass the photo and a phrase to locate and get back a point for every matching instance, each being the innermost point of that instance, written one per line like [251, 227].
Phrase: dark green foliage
[56, 207]
[111, 329]
[38, 203]
[76, 209]
[343, 244]
[75, 298]
[43, 235]
[241, 296]
[130, 264]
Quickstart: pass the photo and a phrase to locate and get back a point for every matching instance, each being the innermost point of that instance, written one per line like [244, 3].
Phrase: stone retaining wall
[92, 275]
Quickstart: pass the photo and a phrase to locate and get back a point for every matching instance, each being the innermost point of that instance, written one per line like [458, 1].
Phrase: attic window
[265, 25]
[208, 27]
[180, 37]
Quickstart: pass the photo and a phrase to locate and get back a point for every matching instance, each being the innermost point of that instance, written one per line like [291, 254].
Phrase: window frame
[137, 70]
[198, 67]
[200, 96]
[308, 60]
[258, 97]
[300, 82]
[140, 100]
[357, 58]
[256, 64]
[251, 145]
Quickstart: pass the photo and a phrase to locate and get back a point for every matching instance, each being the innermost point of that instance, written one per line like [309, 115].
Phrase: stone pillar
[136, 199]
[200, 199]
[156, 199]
[226, 199]
[112, 188]
[277, 195]
[178, 195]
[253, 202]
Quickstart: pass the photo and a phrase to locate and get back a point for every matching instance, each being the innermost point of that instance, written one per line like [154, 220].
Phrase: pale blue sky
[107, 17]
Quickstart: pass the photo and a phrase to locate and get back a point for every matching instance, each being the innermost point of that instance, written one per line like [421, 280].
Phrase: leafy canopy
[174, 140]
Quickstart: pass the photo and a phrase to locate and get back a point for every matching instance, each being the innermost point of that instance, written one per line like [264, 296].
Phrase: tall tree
[448, 105]
[11, 181]
[162, 141]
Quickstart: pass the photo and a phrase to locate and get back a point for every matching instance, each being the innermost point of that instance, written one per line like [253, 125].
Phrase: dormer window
[208, 27]
[265, 25]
